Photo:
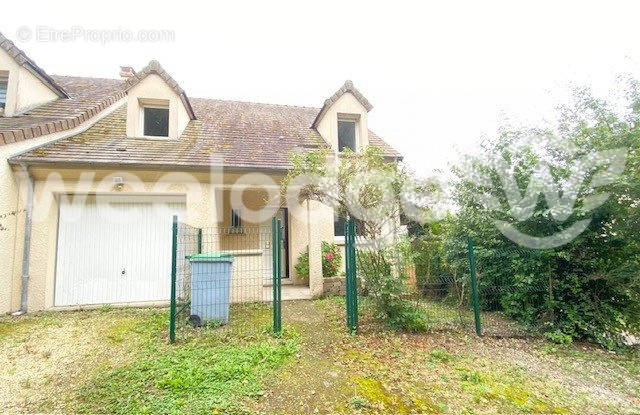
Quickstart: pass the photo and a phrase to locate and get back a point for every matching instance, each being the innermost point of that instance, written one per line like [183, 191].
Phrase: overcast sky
[439, 75]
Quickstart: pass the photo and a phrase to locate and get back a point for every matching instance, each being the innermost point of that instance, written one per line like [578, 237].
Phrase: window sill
[342, 154]
[152, 137]
[339, 240]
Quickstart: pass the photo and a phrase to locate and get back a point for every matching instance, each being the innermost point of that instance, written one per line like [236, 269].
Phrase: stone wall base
[334, 285]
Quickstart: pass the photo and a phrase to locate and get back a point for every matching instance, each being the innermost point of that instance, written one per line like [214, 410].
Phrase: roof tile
[238, 134]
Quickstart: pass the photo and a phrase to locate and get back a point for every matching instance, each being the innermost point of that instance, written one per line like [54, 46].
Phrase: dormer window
[347, 133]
[4, 81]
[156, 121]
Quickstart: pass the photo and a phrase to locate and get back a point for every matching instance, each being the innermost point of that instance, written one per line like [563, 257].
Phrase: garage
[114, 249]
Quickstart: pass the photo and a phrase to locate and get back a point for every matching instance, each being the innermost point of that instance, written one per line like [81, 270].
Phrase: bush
[389, 291]
[558, 337]
[302, 267]
[331, 260]
[588, 288]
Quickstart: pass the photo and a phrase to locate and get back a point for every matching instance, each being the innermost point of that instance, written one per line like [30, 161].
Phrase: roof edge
[26, 62]
[140, 166]
[347, 87]
[63, 124]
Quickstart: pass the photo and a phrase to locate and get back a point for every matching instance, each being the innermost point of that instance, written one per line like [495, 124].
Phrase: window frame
[238, 225]
[4, 78]
[156, 104]
[350, 118]
[336, 219]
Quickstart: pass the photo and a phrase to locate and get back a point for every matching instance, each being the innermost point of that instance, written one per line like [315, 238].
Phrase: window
[156, 121]
[3, 90]
[338, 225]
[346, 135]
[236, 220]
[340, 221]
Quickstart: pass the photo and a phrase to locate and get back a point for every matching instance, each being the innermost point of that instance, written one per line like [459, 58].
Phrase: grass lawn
[119, 361]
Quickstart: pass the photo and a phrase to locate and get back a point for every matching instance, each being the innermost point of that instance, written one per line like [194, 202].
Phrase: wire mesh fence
[504, 280]
[217, 269]
[515, 289]
[446, 299]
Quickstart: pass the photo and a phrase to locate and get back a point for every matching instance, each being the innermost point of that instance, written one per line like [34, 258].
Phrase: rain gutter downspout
[26, 248]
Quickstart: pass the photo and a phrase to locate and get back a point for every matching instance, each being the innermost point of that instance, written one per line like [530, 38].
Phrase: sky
[440, 75]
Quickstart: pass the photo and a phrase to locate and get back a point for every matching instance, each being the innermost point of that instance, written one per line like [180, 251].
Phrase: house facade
[93, 170]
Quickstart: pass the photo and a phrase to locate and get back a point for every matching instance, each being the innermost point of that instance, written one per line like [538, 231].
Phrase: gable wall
[24, 91]
[328, 126]
[154, 87]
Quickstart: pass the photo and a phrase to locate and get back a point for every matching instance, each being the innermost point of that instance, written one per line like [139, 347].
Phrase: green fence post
[279, 278]
[474, 287]
[174, 257]
[276, 254]
[354, 282]
[200, 240]
[347, 270]
[351, 290]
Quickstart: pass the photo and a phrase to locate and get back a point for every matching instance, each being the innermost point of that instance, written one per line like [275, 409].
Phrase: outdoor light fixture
[119, 182]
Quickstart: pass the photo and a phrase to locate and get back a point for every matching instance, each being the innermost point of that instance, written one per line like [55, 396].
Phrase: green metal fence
[351, 287]
[276, 235]
[208, 289]
[476, 285]
[508, 286]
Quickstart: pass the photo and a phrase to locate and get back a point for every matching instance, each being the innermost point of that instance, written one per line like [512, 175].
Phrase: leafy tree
[369, 188]
[588, 288]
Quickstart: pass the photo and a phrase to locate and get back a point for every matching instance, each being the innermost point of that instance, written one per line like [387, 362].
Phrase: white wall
[12, 212]
[24, 90]
[328, 126]
[153, 88]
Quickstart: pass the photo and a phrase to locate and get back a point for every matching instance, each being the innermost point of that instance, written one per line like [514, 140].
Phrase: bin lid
[211, 257]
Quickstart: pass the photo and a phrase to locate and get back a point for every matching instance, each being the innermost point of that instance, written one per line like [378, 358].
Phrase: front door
[283, 215]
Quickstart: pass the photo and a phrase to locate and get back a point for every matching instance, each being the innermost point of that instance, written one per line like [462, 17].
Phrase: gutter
[26, 248]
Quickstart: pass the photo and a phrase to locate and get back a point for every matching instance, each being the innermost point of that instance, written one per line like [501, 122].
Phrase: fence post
[174, 257]
[351, 289]
[474, 286]
[347, 272]
[276, 242]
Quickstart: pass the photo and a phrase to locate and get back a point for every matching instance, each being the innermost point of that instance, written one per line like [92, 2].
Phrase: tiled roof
[23, 60]
[239, 134]
[86, 98]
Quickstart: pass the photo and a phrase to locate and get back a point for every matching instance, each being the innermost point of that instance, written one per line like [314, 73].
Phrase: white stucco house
[135, 139]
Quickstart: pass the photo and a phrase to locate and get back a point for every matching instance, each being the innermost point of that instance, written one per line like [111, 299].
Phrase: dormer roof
[154, 68]
[347, 87]
[26, 62]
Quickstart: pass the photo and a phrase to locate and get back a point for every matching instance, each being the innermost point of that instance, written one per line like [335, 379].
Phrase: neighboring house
[139, 139]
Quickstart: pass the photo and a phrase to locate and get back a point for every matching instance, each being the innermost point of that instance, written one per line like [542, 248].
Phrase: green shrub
[388, 289]
[558, 337]
[302, 266]
[588, 288]
[331, 260]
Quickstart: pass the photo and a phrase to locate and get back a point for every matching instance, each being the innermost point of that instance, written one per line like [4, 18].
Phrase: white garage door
[115, 251]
